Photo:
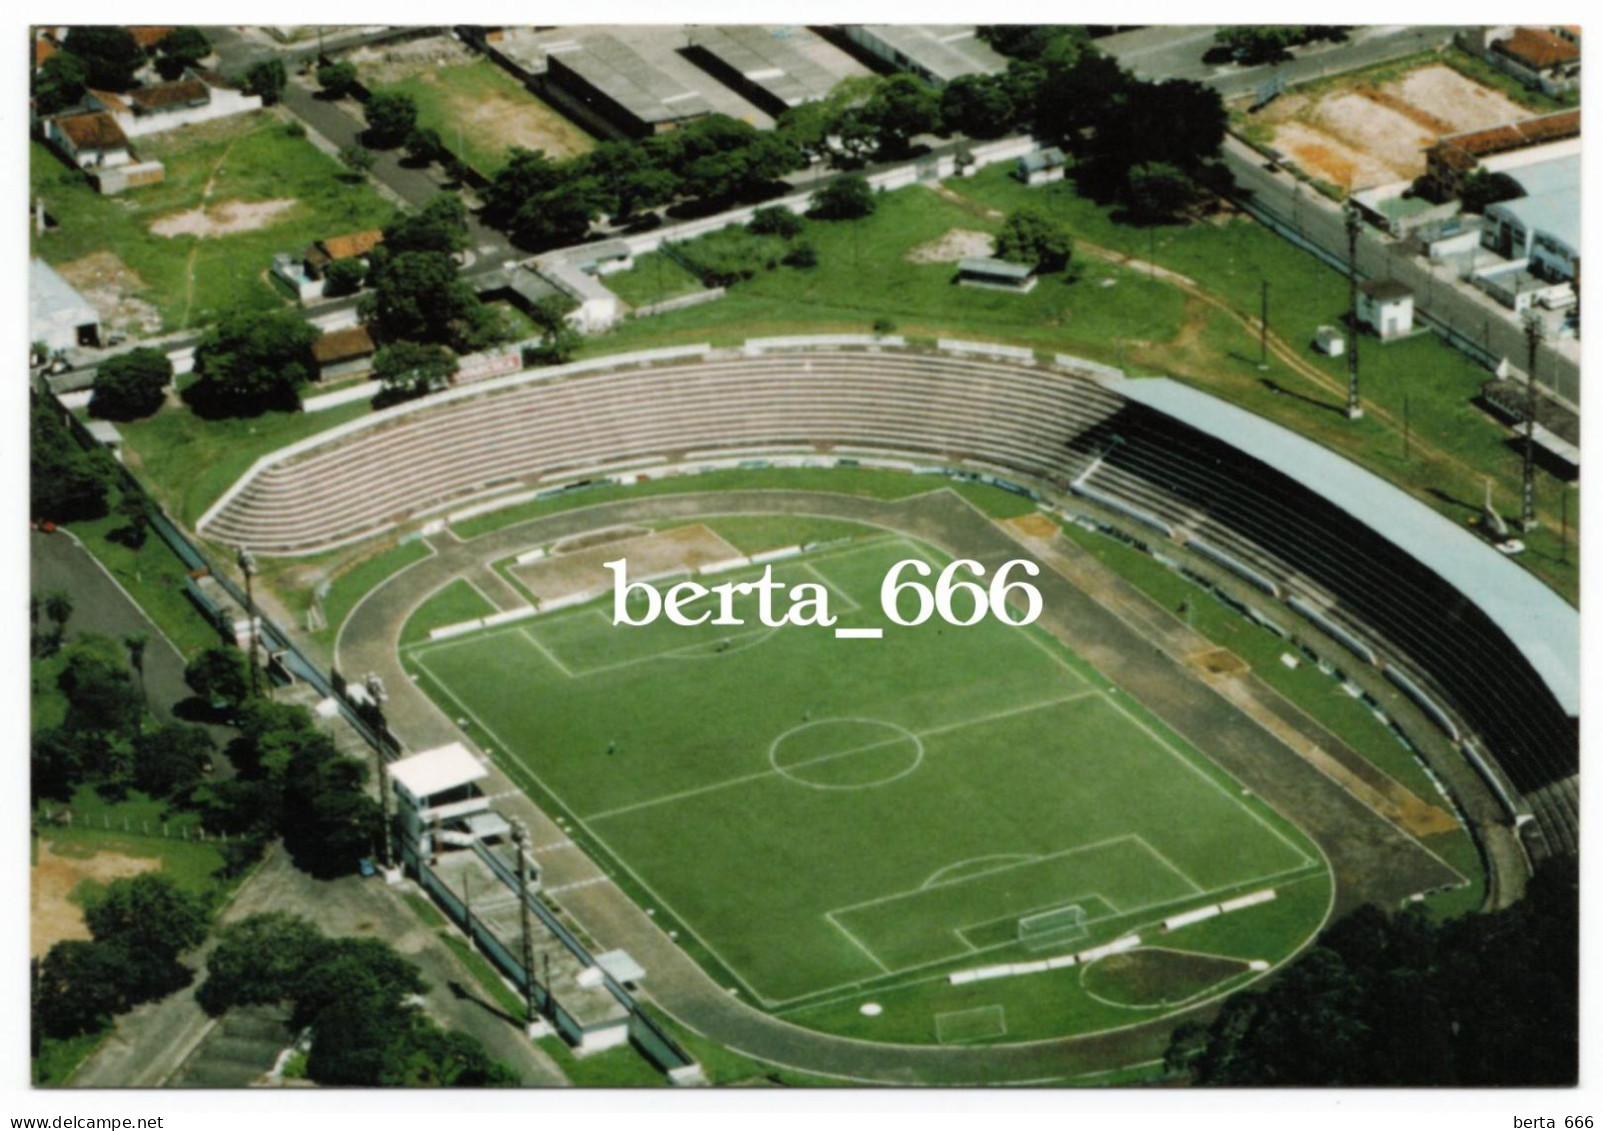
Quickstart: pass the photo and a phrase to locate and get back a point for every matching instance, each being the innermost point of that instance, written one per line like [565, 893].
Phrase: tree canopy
[66, 481]
[1396, 1000]
[391, 115]
[251, 362]
[1030, 236]
[111, 55]
[845, 198]
[131, 385]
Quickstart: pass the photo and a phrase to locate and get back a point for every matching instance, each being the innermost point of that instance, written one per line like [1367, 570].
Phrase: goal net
[1051, 928]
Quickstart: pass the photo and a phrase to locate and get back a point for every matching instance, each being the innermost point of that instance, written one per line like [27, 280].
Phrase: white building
[435, 795]
[1042, 167]
[199, 96]
[1386, 307]
[58, 316]
[89, 140]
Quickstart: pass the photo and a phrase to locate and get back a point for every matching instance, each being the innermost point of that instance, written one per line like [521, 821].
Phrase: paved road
[1372, 859]
[152, 1043]
[102, 607]
[1477, 317]
[1167, 52]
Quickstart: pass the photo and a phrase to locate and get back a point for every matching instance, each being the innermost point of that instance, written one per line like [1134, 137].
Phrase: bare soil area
[959, 243]
[684, 549]
[54, 917]
[110, 286]
[226, 219]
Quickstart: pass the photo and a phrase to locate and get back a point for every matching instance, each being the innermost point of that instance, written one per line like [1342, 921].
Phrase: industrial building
[936, 53]
[604, 83]
[763, 65]
[58, 316]
[1544, 225]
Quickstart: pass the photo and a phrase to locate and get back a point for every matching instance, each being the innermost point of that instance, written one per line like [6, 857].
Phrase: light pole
[1535, 331]
[1355, 409]
[247, 566]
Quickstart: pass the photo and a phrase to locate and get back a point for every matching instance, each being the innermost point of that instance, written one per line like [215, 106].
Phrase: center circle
[845, 753]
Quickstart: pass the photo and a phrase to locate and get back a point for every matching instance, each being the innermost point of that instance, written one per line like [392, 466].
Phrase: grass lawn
[452, 604]
[489, 112]
[154, 576]
[186, 279]
[1420, 378]
[1048, 787]
[654, 278]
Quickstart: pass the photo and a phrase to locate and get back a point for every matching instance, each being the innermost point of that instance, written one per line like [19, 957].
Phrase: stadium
[948, 855]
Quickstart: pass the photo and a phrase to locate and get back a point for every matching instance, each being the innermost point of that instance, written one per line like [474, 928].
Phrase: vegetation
[408, 370]
[1031, 236]
[1395, 1000]
[844, 198]
[337, 78]
[249, 363]
[66, 482]
[390, 118]
[181, 49]
[1256, 44]
[110, 56]
[268, 79]
[131, 385]
[1482, 189]
[355, 995]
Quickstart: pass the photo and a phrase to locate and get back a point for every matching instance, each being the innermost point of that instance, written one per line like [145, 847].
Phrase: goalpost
[1051, 928]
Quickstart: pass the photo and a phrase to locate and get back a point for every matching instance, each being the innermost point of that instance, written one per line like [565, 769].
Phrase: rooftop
[148, 37]
[999, 268]
[53, 303]
[1538, 48]
[945, 51]
[1537, 620]
[352, 244]
[1049, 158]
[1553, 214]
[98, 130]
[1460, 150]
[170, 95]
[1542, 177]
[618, 72]
[435, 771]
[1385, 290]
[768, 60]
[342, 345]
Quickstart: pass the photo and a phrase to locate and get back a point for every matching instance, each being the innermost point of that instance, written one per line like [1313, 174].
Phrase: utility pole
[1355, 408]
[1263, 329]
[375, 688]
[247, 566]
[520, 837]
[1535, 331]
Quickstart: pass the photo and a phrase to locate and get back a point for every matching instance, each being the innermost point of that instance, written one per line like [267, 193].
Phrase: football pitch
[827, 816]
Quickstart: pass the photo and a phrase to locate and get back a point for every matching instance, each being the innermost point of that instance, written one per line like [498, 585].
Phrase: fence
[77, 817]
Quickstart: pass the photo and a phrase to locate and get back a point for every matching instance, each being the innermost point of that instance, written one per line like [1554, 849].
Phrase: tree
[250, 362]
[1030, 236]
[330, 823]
[358, 160]
[441, 225]
[845, 198]
[1036, 41]
[528, 174]
[60, 83]
[56, 764]
[151, 921]
[171, 759]
[391, 116]
[135, 643]
[181, 49]
[775, 220]
[267, 78]
[66, 481]
[337, 79]
[557, 218]
[58, 607]
[111, 56]
[100, 693]
[1158, 191]
[260, 960]
[901, 107]
[344, 276]
[131, 385]
[416, 296]
[558, 338]
[79, 988]
[408, 369]
[980, 106]
[1481, 189]
[424, 145]
[1070, 98]
[1178, 122]
[219, 674]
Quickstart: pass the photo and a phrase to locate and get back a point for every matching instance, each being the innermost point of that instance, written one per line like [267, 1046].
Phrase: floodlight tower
[520, 837]
[247, 566]
[1355, 409]
[1535, 331]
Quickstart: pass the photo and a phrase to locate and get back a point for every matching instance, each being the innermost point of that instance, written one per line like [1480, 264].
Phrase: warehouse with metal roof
[761, 64]
[58, 315]
[936, 53]
[610, 80]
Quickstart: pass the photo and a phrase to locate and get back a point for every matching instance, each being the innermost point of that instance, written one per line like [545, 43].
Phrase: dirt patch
[685, 549]
[1218, 661]
[959, 243]
[1461, 102]
[516, 121]
[1152, 976]
[54, 916]
[393, 62]
[1034, 525]
[599, 538]
[110, 285]
[1360, 135]
[225, 219]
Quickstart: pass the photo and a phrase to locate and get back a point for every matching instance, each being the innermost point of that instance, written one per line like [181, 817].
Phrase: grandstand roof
[1539, 622]
[435, 771]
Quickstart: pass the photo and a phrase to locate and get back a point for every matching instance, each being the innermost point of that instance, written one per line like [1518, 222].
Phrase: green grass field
[188, 280]
[837, 819]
